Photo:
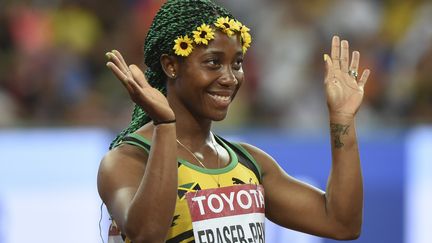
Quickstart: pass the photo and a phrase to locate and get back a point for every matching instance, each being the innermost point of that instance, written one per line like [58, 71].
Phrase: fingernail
[325, 57]
[108, 56]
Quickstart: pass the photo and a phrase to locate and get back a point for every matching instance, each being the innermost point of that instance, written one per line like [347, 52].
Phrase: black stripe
[132, 139]
[243, 159]
[183, 236]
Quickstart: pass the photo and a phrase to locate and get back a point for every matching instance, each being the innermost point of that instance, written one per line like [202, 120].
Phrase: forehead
[229, 45]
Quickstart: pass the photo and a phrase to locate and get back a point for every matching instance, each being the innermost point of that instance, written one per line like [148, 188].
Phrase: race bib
[233, 214]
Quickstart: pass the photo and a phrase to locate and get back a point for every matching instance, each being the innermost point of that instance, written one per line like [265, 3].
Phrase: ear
[169, 65]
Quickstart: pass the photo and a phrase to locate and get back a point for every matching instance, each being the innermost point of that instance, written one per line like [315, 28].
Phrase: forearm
[153, 205]
[344, 195]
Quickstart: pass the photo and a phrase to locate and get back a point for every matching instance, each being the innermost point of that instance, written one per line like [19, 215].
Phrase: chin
[219, 119]
[219, 116]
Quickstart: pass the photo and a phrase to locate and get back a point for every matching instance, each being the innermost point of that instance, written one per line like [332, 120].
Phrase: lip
[227, 92]
[221, 98]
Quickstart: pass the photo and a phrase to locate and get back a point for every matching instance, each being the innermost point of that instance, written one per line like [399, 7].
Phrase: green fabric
[249, 156]
[232, 164]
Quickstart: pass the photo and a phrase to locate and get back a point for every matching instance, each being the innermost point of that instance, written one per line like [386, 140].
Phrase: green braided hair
[175, 18]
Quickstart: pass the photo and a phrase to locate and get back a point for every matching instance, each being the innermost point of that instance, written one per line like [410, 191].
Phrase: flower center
[203, 34]
[226, 25]
[183, 45]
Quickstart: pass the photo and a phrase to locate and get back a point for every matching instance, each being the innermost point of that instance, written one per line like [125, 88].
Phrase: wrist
[164, 122]
[341, 117]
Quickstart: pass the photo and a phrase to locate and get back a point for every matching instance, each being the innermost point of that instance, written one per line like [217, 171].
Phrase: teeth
[223, 98]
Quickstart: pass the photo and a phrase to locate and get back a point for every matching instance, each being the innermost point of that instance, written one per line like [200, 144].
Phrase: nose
[228, 78]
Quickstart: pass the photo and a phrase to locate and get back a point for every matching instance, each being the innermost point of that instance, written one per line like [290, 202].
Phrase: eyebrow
[217, 52]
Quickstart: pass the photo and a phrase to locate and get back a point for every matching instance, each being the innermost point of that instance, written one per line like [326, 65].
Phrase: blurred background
[60, 106]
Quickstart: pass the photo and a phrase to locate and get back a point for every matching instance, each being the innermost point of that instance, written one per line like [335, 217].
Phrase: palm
[344, 92]
[344, 95]
[148, 98]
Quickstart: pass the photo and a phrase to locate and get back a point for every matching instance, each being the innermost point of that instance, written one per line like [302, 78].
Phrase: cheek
[240, 77]
[206, 77]
[199, 76]
[193, 82]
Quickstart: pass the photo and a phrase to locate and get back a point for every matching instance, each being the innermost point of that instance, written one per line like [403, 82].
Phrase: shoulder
[266, 162]
[128, 153]
[121, 160]
[133, 146]
[124, 153]
[120, 167]
[253, 150]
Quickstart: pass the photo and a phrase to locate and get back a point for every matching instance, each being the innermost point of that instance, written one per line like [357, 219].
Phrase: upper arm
[290, 202]
[119, 176]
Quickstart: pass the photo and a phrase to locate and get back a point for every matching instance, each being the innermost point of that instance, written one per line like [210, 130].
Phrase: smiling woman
[168, 178]
[208, 79]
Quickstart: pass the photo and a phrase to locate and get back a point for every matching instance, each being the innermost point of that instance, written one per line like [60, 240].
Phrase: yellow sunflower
[228, 26]
[183, 46]
[242, 28]
[246, 41]
[245, 36]
[203, 34]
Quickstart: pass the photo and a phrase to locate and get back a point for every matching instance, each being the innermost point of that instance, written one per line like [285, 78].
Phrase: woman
[168, 178]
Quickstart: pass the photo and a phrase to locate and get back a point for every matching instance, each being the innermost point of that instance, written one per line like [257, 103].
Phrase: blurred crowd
[53, 73]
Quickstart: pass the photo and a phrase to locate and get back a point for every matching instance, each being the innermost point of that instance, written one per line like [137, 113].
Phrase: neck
[191, 130]
[194, 136]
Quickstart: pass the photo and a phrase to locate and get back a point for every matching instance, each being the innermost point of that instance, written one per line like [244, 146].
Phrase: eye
[238, 64]
[213, 63]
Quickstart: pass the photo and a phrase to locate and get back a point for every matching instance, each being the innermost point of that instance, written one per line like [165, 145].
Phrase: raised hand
[344, 89]
[148, 98]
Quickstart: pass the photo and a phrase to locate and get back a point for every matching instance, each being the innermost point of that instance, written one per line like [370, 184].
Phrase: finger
[329, 66]
[120, 75]
[134, 86]
[120, 57]
[114, 59]
[344, 59]
[335, 52]
[116, 71]
[138, 76]
[355, 61]
[364, 78]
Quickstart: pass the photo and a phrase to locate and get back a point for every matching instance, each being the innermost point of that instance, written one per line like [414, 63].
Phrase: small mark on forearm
[337, 130]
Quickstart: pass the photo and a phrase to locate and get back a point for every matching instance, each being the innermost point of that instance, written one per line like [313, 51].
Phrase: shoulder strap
[244, 157]
[137, 140]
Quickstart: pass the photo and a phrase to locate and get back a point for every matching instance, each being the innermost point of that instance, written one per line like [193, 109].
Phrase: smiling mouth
[221, 97]
[222, 100]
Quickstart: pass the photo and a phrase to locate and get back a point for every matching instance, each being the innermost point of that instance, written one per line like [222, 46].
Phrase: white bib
[234, 214]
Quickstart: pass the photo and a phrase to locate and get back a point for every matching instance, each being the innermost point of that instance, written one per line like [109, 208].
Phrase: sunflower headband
[183, 45]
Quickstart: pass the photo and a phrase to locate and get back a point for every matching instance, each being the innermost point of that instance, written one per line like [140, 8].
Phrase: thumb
[328, 66]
